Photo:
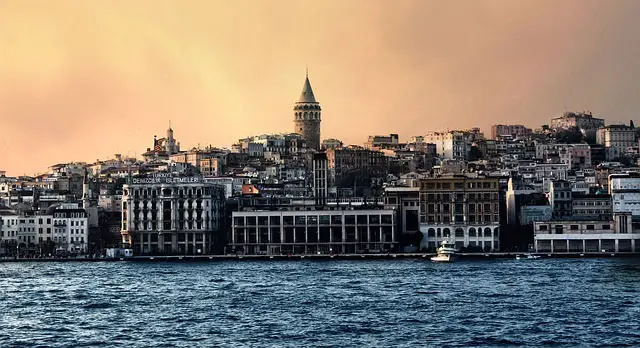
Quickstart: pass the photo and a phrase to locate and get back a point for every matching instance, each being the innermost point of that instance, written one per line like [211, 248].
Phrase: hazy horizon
[81, 81]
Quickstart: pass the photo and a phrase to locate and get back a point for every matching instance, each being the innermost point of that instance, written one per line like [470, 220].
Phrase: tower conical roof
[307, 93]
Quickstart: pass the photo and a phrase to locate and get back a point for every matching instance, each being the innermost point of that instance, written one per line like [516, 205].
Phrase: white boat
[528, 256]
[445, 253]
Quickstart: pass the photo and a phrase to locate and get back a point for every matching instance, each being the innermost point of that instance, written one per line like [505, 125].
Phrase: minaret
[307, 116]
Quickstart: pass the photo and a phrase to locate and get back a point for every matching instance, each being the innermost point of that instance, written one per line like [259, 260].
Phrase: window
[590, 227]
[543, 227]
[574, 227]
[606, 227]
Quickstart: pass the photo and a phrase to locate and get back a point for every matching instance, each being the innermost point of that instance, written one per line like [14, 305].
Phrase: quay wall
[400, 256]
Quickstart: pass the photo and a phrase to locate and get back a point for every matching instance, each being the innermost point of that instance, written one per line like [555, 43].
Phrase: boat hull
[442, 258]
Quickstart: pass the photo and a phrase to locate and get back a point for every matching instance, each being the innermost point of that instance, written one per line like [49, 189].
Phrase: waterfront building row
[65, 226]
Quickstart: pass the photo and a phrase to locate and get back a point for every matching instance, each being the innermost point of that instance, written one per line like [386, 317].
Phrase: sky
[83, 80]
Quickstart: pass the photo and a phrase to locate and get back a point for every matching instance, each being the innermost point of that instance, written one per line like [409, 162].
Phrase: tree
[569, 136]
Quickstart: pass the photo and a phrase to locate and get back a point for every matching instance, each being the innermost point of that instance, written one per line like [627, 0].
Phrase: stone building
[355, 166]
[582, 121]
[616, 139]
[165, 214]
[460, 208]
[307, 117]
[514, 130]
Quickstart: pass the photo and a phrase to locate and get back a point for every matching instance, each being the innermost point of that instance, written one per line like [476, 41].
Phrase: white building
[625, 193]
[587, 235]
[452, 144]
[578, 156]
[617, 139]
[171, 215]
[65, 224]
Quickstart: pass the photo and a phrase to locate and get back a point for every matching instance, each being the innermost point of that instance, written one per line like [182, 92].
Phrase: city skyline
[82, 81]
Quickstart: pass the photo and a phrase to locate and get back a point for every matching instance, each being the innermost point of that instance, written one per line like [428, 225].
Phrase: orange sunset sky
[82, 80]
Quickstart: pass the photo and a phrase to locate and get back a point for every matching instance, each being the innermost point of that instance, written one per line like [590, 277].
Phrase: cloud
[82, 80]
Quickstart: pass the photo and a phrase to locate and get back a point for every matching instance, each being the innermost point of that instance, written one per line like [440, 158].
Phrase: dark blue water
[580, 302]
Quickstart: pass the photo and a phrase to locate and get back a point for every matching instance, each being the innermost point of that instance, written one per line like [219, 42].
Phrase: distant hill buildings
[572, 186]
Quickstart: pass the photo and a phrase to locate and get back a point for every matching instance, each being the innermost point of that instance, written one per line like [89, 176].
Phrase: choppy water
[580, 302]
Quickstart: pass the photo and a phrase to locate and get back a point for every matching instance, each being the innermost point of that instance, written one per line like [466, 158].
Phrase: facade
[307, 117]
[513, 130]
[381, 141]
[320, 178]
[460, 208]
[560, 198]
[324, 231]
[577, 156]
[582, 121]
[211, 167]
[207, 161]
[625, 193]
[616, 139]
[352, 163]
[532, 213]
[619, 136]
[164, 214]
[585, 236]
[65, 225]
[591, 206]
[331, 144]
[405, 201]
[453, 145]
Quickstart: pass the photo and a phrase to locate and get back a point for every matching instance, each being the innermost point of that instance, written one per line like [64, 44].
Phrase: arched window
[472, 232]
[431, 233]
[496, 232]
[487, 232]
[446, 232]
[459, 232]
[305, 114]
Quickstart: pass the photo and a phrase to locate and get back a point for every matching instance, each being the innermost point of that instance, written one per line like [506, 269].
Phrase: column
[205, 249]
[599, 245]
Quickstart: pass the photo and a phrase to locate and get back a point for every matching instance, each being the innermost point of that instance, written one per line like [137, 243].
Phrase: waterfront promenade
[396, 256]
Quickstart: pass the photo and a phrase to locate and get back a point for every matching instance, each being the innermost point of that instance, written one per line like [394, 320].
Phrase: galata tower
[307, 116]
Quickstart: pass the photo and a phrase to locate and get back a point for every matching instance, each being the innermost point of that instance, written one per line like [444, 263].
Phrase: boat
[527, 257]
[445, 253]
